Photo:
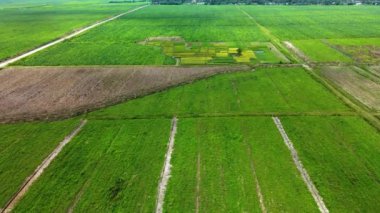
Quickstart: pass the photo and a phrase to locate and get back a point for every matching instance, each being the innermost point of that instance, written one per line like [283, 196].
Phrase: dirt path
[296, 51]
[75, 33]
[165, 175]
[38, 172]
[305, 176]
[198, 188]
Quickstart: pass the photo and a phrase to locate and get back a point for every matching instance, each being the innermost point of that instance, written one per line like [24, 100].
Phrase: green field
[228, 153]
[342, 157]
[318, 22]
[117, 41]
[109, 166]
[24, 27]
[23, 147]
[281, 90]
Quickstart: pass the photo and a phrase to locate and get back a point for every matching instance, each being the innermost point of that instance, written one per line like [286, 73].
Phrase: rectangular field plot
[283, 90]
[110, 166]
[218, 164]
[363, 88]
[23, 147]
[320, 51]
[117, 42]
[341, 155]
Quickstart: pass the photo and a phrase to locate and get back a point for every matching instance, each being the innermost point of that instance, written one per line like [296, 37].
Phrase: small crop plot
[23, 147]
[190, 53]
[341, 155]
[110, 166]
[287, 90]
[362, 88]
[219, 164]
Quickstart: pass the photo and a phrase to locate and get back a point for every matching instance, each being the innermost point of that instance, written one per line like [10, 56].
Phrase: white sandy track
[165, 174]
[17, 58]
[305, 176]
[37, 173]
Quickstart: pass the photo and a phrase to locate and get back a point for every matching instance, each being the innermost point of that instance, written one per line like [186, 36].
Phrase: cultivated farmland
[115, 164]
[276, 90]
[223, 164]
[58, 92]
[28, 26]
[340, 154]
[188, 108]
[23, 147]
[362, 88]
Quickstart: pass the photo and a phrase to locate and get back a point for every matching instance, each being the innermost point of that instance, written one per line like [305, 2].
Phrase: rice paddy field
[27, 26]
[295, 130]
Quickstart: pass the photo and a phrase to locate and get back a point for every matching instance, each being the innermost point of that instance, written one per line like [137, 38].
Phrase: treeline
[269, 2]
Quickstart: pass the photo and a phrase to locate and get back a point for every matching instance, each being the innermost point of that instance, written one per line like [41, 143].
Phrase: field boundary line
[60, 40]
[166, 170]
[40, 169]
[305, 176]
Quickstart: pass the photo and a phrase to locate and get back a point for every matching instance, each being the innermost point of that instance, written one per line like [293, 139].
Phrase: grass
[23, 147]
[229, 149]
[264, 90]
[30, 25]
[109, 166]
[341, 156]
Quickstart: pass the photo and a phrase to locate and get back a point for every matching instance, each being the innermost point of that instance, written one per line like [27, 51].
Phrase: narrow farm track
[24, 55]
[40, 169]
[165, 174]
[305, 176]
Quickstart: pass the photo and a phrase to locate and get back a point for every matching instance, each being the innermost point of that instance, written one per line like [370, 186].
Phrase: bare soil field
[363, 89]
[30, 93]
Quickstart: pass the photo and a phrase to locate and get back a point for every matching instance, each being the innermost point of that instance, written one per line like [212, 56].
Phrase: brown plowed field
[362, 88]
[29, 93]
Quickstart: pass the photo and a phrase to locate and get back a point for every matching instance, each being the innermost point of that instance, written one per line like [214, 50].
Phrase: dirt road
[165, 175]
